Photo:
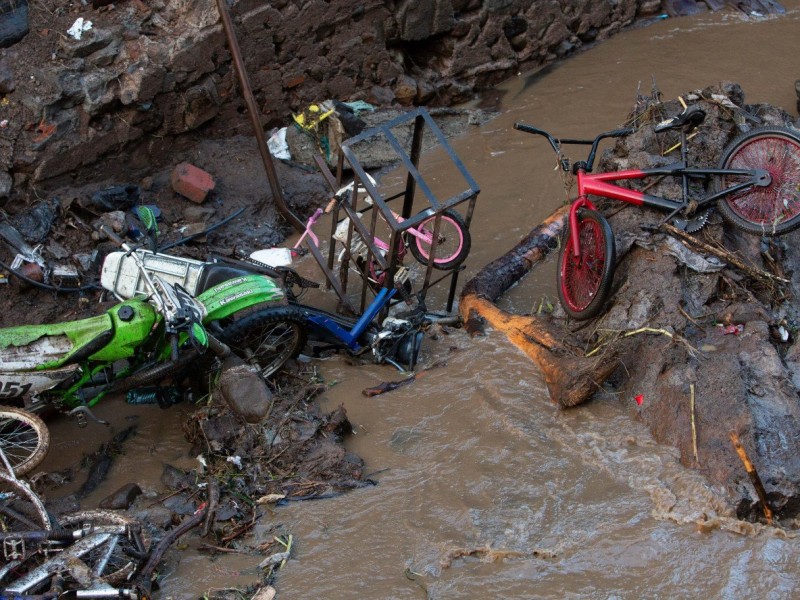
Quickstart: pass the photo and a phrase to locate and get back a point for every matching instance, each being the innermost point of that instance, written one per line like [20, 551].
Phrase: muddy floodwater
[485, 489]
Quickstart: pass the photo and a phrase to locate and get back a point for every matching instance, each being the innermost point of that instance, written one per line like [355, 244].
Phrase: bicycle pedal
[14, 549]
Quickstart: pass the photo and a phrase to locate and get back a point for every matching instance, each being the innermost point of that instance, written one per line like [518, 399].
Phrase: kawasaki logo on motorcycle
[230, 283]
[235, 297]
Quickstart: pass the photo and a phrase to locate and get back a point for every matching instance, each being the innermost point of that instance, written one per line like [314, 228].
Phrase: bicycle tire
[584, 283]
[24, 439]
[20, 508]
[267, 338]
[772, 210]
[126, 555]
[454, 241]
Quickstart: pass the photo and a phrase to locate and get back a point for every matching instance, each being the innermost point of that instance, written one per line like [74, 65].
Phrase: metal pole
[247, 92]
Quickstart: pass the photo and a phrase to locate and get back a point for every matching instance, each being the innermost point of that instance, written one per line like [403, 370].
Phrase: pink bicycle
[453, 240]
[756, 188]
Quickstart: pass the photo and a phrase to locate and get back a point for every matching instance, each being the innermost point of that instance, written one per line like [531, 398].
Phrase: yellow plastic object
[312, 116]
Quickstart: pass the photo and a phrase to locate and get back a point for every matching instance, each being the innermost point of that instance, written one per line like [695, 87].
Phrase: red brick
[192, 182]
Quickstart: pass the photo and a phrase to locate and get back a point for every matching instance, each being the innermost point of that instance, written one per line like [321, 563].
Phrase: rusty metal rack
[418, 121]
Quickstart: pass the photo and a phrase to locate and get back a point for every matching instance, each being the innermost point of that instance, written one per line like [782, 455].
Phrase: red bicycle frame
[598, 185]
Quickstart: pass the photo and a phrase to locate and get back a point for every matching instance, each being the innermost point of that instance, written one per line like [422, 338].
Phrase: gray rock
[122, 498]
[13, 21]
[174, 478]
[92, 41]
[244, 390]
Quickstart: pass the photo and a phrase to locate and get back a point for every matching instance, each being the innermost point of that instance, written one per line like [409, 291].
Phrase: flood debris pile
[294, 451]
[700, 341]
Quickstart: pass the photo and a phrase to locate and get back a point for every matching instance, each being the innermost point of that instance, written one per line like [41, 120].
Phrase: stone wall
[148, 72]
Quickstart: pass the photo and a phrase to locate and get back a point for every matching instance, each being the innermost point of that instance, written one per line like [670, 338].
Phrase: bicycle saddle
[689, 119]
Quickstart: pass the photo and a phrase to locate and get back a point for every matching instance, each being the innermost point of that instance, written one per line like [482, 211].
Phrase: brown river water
[473, 457]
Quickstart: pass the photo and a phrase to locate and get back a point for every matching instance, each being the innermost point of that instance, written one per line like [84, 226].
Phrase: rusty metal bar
[247, 92]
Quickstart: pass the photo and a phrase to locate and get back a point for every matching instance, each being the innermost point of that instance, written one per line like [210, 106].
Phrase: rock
[180, 504]
[122, 498]
[422, 20]
[202, 104]
[13, 21]
[244, 390]
[195, 213]
[174, 478]
[91, 41]
[405, 90]
[155, 516]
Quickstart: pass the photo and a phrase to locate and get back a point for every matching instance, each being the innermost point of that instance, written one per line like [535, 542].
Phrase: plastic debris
[78, 28]
[693, 260]
[639, 399]
[277, 145]
[274, 257]
[732, 329]
[312, 116]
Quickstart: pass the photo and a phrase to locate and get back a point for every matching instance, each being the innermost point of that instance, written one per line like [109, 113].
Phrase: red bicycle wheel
[584, 282]
[770, 210]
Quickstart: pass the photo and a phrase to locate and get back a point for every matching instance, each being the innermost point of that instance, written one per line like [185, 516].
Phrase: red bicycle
[756, 188]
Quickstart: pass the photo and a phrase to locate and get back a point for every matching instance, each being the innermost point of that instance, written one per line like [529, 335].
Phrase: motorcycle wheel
[267, 338]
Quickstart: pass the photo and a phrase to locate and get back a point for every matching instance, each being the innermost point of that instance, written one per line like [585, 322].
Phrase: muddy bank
[145, 81]
[707, 349]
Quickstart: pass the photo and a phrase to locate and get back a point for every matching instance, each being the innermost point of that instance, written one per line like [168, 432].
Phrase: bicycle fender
[234, 295]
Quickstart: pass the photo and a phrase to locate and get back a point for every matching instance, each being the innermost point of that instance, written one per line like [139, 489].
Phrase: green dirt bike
[138, 342]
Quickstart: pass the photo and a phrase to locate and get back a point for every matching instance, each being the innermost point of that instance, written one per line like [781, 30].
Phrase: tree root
[571, 377]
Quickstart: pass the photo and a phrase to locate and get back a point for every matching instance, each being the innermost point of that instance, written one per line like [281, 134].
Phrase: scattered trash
[313, 115]
[35, 223]
[271, 499]
[14, 239]
[117, 197]
[732, 329]
[235, 460]
[693, 260]
[78, 28]
[274, 257]
[3, 123]
[277, 145]
[639, 399]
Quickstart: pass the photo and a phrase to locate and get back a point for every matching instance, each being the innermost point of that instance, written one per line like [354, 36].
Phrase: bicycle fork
[579, 203]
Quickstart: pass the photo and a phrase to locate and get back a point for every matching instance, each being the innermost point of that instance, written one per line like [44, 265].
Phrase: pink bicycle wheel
[453, 243]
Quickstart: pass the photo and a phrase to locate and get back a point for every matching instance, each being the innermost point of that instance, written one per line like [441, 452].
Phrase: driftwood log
[571, 377]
